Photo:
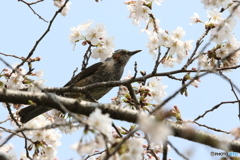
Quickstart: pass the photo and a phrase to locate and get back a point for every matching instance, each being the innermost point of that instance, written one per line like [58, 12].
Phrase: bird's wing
[88, 71]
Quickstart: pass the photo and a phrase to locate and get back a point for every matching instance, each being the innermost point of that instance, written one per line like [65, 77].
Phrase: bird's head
[122, 56]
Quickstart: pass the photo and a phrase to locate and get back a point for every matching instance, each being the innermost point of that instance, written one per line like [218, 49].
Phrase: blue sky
[20, 29]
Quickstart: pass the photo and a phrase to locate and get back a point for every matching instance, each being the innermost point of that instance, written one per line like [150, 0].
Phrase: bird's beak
[134, 52]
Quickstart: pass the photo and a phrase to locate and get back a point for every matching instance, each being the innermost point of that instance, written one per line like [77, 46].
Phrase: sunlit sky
[20, 29]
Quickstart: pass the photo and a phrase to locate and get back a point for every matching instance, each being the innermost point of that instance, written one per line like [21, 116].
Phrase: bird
[109, 70]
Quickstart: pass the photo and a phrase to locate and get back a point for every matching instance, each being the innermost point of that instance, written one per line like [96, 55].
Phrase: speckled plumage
[109, 70]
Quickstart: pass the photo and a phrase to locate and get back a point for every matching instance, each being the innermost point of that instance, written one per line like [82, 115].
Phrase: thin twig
[135, 69]
[44, 34]
[29, 5]
[31, 2]
[11, 131]
[86, 57]
[74, 72]
[211, 128]
[16, 122]
[212, 109]
[148, 147]
[176, 150]
[116, 129]
[117, 147]
[175, 78]
[233, 90]
[157, 62]
[198, 43]
[94, 154]
[133, 96]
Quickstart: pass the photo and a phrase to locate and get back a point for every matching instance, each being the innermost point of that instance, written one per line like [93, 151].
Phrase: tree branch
[126, 82]
[85, 108]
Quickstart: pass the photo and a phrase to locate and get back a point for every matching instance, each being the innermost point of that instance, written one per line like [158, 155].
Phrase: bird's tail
[30, 112]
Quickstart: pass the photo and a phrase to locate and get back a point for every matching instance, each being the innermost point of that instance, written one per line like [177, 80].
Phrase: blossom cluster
[232, 6]
[141, 10]
[100, 125]
[224, 55]
[96, 37]
[178, 49]
[226, 51]
[153, 90]
[8, 151]
[18, 79]
[134, 148]
[44, 142]
[60, 3]
[216, 3]
[157, 130]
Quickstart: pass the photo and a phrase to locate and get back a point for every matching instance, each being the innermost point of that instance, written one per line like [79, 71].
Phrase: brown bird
[109, 70]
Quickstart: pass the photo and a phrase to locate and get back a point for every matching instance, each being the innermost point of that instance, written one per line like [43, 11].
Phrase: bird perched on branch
[109, 70]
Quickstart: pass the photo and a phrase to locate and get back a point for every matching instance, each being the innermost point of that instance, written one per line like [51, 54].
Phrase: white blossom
[157, 130]
[216, 3]
[158, 2]
[60, 3]
[176, 46]
[136, 148]
[15, 82]
[50, 137]
[100, 122]
[84, 148]
[215, 16]
[93, 35]
[39, 74]
[178, 32]
[66, 9]
[76, 34]
[37, 85]
[195, 19]
[101, 29]
[164, 39]
[157, 90]
[153, 43]
[108, 44]
[49, 153]
[139, 12]
[187, 45]
[222, 52]
[9, 151]
[101, 52]
[169, 62]
[234, 9]
[195, 83]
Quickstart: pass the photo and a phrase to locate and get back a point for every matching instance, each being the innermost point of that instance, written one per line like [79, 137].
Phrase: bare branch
[211, 128]
[29, 5]
[176, 150]
[212, 109]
